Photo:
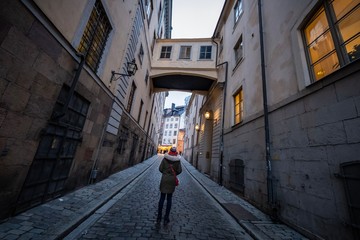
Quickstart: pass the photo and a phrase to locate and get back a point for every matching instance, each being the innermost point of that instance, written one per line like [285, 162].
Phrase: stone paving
[194, 214]
[123, 206]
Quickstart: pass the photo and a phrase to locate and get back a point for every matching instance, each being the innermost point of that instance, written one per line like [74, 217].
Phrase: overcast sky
[192, 19]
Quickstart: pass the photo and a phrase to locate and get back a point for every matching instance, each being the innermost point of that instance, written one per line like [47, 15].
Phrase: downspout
[222, 115]
[270, 190]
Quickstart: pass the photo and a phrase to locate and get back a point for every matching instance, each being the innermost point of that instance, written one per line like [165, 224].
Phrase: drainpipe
[222, 123]
[222, 115]
[270, 191]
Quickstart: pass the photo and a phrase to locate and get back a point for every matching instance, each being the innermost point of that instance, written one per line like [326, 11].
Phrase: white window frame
[185, 52]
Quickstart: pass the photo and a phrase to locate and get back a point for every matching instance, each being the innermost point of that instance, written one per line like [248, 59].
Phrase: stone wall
[311, 135]
[33, 69]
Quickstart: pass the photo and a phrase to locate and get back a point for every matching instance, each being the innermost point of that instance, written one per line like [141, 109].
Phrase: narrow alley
[124, 207]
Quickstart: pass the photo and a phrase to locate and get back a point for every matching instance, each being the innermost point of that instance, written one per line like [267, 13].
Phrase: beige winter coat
[167, 184]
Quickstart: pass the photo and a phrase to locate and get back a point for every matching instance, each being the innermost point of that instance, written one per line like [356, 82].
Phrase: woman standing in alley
[170, 167]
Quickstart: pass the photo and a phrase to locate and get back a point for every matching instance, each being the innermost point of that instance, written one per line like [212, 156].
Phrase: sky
[192, 19]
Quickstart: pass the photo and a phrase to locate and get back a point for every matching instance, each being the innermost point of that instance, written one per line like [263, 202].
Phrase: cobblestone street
[194, 214]
[124, 206]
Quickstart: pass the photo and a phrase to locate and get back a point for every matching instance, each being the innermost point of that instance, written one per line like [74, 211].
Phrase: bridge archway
[182, 82]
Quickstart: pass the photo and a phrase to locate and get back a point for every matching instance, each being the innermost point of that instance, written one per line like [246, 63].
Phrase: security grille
[52, 162]
[95, 35]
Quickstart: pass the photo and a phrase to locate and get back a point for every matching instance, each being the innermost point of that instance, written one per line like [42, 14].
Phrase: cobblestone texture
[124, 206]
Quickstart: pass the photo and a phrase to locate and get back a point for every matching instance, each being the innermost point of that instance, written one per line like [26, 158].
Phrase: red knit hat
[173, 151]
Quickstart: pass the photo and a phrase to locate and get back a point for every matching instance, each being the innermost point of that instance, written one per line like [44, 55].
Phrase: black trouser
[168, 205]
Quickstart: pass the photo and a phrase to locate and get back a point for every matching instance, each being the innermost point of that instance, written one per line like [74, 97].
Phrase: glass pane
[350, 25]
[321, 46]
[316, 27]
[341, 7]
[326, 66]
[353, 49]
[237, 119]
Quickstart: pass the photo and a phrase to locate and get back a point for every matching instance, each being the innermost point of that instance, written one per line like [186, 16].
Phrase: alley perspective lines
[194, 214]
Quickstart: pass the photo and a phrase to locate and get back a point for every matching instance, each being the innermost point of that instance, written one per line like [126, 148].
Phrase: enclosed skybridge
[183, 65]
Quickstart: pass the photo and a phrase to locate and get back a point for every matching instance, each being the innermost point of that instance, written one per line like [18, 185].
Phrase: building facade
[73, 108]
[283, 130]
[173, 122]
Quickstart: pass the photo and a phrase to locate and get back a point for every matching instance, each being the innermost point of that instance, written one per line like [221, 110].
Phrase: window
[165, 133]
[175, 125]
[146, 115]
[221, 45]
[238, 50]
[140, 110]
[167, 126]
[172, 119]
[165, 52]
[167, 119]
[176, 119]
[147, 77]
[238, 10]
[95, 35]
[131, 97]
[185, 52]
[174, 141]
[175, 133]
[148, 8]
[332, 37]
[238, 106]
[141, 54]
[205, 52]
[170, 125]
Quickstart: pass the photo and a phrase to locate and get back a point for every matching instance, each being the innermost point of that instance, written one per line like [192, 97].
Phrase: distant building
[173, 119]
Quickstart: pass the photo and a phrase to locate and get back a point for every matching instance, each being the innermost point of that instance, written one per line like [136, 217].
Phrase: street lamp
[131, 69]
[197, 127]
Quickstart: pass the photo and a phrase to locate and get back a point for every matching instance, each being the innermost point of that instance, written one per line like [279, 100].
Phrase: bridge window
[205, 52]
[185, 52]
[165, 52]
[238, 106]
[95, 36]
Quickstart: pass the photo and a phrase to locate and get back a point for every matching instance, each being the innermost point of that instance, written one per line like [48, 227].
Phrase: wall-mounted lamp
[197, 127]
[131, 69]
[207, 115]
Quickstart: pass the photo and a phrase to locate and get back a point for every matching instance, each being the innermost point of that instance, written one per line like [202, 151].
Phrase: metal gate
[53, 159]
[350, 172]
